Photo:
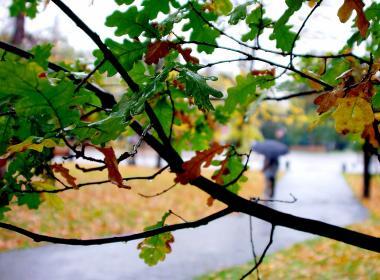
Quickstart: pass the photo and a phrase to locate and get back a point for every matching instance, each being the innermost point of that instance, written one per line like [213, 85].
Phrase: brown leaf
[112, 166]
[325, 101]
[186, 54]
[345, 12]
[157, 50]
[218, 175]
[369, 134]
[192, 167]
[160, 49]
[65, 174]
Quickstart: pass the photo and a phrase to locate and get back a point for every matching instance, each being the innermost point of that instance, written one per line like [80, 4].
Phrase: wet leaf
[112, 166]
[155, 248]
[192, 167]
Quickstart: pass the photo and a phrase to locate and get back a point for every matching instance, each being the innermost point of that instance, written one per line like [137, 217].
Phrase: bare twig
[263, 255]
[159, 193]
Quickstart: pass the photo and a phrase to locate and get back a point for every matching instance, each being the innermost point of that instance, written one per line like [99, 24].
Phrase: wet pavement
[315, 179]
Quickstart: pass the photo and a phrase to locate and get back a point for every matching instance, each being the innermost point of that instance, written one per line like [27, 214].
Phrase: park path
[314, 179]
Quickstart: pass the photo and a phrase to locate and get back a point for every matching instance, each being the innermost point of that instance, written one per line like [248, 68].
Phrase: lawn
[322, 258]
[104, 210]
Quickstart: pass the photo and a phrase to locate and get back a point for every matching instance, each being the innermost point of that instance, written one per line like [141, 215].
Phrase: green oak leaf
[28, 7]
[153, 7]
[238, 13]
[131, 104]
[131, 22]
[41, 55]
[155, 248]
[197, 87]
[200, 31]
[222, 7]
[127, 53]
[281, 31]
[245, 91]
[32, 200]
[38, 96]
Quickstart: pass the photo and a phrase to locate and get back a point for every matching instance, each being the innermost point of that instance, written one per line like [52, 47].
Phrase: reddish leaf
[345, 12]
[218, 175]
[160, 49]
[65, 173]
[192, 167]
[179, 85]
[186, 54]
[270, 72]
[185, 119]
[157, 50]
[112, 166]
[369, 134]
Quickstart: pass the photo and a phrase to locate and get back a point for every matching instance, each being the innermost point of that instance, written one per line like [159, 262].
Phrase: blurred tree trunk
[19, 32]
[367, 175]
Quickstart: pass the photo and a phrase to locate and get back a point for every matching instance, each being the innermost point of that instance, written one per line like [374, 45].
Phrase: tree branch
[98, 241]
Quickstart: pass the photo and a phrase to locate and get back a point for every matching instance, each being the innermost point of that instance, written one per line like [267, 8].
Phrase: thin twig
[159, 193]
[263, 255]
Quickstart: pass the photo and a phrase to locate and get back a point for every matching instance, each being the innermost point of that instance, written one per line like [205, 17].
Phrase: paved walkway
[314, 179]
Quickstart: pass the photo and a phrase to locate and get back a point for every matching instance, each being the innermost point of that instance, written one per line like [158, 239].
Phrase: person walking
[270, 170]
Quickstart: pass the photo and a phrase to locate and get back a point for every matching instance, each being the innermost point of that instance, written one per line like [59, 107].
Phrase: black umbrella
[270, 148]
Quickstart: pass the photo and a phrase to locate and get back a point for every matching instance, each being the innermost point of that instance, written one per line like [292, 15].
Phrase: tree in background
[167, 103]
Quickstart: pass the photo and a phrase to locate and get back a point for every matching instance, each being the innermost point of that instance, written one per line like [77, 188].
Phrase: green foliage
[281, 31]
[245, 91]
[29, 7]
[155, 248]
[196, 86]
[127, 53]
[200, 31]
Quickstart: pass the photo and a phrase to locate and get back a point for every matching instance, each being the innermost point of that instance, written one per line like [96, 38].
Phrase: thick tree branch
[98, 241]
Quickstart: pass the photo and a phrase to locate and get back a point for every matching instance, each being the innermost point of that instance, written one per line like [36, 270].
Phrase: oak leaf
[325, 101]
[352, 115]
[65, 174]
[112, 166]
[192, 167]
[160, 49]
[32, 143]
[157, 50]
[345, 12]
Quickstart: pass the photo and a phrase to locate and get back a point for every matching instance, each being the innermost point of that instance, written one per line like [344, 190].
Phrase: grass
[322, 258]
[106, 210]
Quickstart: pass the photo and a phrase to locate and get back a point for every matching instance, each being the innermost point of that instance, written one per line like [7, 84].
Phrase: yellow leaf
[345, 12]
[312, 3]
[352, 115]
[33, 143]
[51, 199]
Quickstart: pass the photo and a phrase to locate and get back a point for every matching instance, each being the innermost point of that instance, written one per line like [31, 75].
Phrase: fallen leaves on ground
[104, 210]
